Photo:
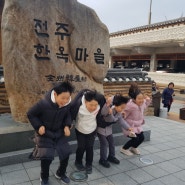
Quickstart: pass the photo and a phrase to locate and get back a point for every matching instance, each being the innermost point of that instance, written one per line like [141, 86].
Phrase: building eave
[164, 24]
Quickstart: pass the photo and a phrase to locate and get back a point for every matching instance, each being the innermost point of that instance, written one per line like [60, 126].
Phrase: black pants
[105, 142]
[168, 104]
[85, 143]
[62, 167]
[134, 141]
[45, 164]
[168, 107]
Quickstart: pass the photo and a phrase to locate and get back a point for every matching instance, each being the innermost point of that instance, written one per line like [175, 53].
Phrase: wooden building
[156, 47]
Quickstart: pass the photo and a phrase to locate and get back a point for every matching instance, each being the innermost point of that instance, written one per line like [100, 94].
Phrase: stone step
[16, 140]
[21, 156]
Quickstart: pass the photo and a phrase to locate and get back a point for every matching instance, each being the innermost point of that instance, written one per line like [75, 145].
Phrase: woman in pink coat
[134, 115]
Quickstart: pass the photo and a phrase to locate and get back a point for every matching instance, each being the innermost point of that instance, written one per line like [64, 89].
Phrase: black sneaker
[104, 163]
[80, 167]
[113, 160]
[88, 169]
[64, 179]
[44, 181]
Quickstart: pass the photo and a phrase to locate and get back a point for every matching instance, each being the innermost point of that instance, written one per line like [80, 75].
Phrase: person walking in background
[84, 110]
[110, 113]
[156, 99]
[51, 120]
[155, 88]
[167, 96]
[134, 115]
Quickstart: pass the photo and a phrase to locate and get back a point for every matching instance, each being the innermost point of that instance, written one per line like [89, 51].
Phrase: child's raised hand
[41, 130]
[67, 131]
[131, 133]
[146, 97]
[109, 101]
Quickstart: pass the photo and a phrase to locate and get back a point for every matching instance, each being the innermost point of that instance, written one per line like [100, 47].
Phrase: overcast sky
[119, 15]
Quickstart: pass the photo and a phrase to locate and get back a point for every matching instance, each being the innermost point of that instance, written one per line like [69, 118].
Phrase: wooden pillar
[173, 64]
[110, 62]
[127, 63]
[153, 63]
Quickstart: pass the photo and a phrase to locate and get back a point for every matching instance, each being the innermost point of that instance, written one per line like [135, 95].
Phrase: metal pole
[150, 13]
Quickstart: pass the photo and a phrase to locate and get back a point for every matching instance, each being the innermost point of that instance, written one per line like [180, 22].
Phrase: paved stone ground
[166, 149]
[179, 102]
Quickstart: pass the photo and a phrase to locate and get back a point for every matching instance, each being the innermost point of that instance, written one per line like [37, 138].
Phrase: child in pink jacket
[134, 115]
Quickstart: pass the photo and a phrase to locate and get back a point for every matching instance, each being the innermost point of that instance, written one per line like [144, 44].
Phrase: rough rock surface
[1, 9]
[46, 42]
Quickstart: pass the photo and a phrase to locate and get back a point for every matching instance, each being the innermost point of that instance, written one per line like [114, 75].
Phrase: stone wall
[123, 88]
[4, 104]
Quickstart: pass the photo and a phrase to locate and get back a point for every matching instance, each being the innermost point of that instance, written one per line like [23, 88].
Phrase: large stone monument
[45, 42]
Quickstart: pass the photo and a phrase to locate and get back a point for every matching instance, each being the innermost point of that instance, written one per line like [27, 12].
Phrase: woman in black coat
[51, 119]
[167, 96]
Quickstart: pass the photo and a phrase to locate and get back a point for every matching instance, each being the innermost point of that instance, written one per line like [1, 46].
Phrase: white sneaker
[57, 176]
[135, 151]
[126, 152]
[132, 134]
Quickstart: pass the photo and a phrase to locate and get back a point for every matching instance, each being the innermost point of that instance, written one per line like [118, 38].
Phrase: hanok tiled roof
[126, 75]
[150, 27]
